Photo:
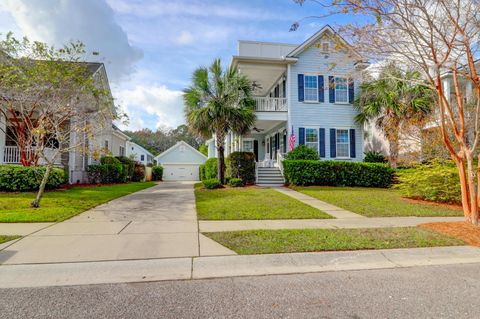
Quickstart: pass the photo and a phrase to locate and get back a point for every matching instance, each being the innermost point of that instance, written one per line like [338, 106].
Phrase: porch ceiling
[265, 126]
[263, 74]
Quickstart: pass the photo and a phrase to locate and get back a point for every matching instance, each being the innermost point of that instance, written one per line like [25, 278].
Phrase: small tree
[439, 38]
[219, 101]
[52, 100]
[394, 103]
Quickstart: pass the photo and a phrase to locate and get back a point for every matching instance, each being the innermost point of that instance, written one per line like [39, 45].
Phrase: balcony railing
[11, 155]
[270, 104]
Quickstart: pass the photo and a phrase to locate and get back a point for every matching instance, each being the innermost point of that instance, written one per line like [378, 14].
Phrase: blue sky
[151, 47]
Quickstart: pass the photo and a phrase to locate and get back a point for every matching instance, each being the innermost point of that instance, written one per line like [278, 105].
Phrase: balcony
[270, 104]
[11, 155]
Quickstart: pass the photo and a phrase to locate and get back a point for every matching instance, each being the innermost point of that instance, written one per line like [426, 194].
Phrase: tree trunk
[41, 189]
[221, 158]
[393, 149]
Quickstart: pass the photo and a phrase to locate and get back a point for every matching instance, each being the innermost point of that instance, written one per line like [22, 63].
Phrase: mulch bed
[462, 230]
[432, 203]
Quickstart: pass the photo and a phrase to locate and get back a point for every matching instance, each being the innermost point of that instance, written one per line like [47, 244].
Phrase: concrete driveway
[158, 222]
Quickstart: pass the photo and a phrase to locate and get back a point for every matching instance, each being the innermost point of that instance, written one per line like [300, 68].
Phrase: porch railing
[270, 104]
[280, 159]
[11, 155]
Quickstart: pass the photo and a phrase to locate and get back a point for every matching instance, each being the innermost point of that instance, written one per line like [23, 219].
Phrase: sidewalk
[64, 274]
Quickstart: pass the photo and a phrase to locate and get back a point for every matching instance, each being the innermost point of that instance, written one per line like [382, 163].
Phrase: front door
[255, 149]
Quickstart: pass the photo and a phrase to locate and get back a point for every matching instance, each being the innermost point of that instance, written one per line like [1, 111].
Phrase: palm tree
[396, 100]
[219, 101]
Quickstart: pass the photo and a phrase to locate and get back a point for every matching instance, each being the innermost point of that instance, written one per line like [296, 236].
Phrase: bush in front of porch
[16, 178]
[241, 165]
[333, 173]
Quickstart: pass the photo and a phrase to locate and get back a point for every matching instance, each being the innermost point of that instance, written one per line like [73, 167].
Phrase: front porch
[10, 154]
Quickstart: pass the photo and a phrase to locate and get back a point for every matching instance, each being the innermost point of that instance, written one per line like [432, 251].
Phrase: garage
[181, 162]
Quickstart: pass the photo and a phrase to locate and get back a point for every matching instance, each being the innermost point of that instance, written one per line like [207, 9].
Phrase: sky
[151, 47]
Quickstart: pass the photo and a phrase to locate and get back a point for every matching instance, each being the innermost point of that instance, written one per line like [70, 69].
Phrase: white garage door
[180, 172]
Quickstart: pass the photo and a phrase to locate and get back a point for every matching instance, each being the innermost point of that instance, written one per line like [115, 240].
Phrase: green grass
[61, 204]
[5, 238]
[376, 202]
[251, 203]
[309, 240]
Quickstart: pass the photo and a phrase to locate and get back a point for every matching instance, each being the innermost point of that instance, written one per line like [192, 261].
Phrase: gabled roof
[314, 38]
[141, 148]
[157, 158]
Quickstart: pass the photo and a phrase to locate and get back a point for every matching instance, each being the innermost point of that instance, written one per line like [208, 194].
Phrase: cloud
[151, 106]
[185, 38]
[90, 21]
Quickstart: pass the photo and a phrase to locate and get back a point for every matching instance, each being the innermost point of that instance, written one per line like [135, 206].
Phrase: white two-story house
[306, 90]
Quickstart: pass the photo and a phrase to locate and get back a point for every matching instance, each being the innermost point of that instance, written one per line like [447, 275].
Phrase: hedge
[128, 166]
[14, 178]
[333, 173]
[242, 165]
[157, 173]
[436, 181]
[212, 183]
[302, 152]
[138, 173]
[209, 169]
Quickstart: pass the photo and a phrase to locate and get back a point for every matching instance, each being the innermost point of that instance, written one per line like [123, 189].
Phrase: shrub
[242, 165]
[210, 168]
[157, 173]
[236, 182]
[374, 157]
[109, 160]
[333, 173]
[14, 178]
[106, 173]
[138, 173]
[436, 181]
[302, 152]
[128, 166]
[201, 172]
[212, 183]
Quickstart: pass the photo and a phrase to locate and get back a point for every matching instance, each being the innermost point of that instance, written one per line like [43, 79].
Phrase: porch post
[3, 128]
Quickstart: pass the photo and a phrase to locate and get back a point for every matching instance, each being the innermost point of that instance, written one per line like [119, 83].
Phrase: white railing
[270, 104]
[11, 155]
[280, 161]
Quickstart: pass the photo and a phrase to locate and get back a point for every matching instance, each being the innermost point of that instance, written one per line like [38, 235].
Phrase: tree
[217, 102]
[440, 39]
[394, 102]
[48, 96]
[203, 149]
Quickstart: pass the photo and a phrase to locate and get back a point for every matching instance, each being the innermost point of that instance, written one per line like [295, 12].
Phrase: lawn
[376, 202]
[251, 203]
[310, 240]
[61, 204]
[4, 238]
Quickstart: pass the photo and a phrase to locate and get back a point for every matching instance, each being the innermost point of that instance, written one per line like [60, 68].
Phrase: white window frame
[337, 90]
[347, 143]
[122, 151]
[248, 140]
[322, 47]
[305, 88]
[315, 129]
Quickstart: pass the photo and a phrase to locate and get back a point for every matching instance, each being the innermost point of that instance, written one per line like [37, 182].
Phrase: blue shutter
[321, 146]
[351, 91]
[353, 152]
[300, 88]
[333, 143]
[301, 135]
[321, 89]
[331, 88]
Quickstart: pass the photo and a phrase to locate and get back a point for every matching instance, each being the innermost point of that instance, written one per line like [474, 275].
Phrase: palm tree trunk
[394, 150]
[221, 157]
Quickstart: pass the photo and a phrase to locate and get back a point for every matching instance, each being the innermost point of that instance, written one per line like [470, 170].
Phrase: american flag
[292, 140]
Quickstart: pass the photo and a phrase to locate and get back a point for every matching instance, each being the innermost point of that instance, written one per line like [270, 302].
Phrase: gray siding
[322, 115]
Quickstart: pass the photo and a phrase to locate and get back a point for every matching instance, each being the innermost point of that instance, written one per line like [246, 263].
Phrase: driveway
[158, 222]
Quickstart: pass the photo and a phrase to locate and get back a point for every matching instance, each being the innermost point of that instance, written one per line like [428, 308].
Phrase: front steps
[270, 177]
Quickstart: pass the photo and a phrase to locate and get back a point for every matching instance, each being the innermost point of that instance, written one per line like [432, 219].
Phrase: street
[419, 292]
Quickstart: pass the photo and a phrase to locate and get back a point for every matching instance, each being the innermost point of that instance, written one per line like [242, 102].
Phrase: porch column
[3, 128]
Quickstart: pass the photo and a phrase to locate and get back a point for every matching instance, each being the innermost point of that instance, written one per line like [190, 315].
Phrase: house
[139, 153]
[110, 140]
[305, 90]
[181, 162]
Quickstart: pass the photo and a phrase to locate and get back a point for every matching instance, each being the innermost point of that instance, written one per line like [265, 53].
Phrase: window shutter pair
[333, 143]
[351, 90]
[321, 140]
[301, 88]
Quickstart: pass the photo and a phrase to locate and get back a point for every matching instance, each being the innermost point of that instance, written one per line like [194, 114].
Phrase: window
[122, 151]
[142, 157]
[325, 47]
[311, 88]
[343, 143]
[341, 90]
[248, 146]
[311, 138]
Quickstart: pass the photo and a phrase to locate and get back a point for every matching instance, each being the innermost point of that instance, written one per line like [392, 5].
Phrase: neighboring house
[181, 162]
[138, 153]
[309, 88]
[111, 140]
